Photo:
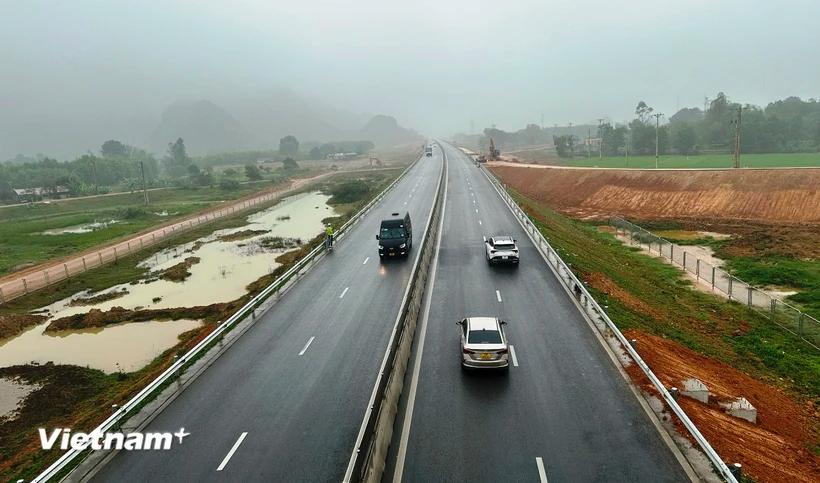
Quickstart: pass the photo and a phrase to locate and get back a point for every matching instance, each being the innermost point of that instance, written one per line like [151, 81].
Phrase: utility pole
[94, 166]
[626, 146]
[736, 122]
[600, 139]
[144, 191]
[657, 117]
[589, 137]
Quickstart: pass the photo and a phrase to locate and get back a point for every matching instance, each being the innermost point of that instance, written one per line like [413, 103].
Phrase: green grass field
[21, 227]
[784, 160]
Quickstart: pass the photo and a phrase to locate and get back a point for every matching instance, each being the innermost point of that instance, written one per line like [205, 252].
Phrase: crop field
[30, 234]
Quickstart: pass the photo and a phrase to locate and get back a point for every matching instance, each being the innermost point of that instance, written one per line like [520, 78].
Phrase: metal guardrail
[369, 454]
[575, 286]
[776, 310]
[176, 369]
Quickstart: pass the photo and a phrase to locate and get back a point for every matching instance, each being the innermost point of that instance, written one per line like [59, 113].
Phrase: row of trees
[788, 125]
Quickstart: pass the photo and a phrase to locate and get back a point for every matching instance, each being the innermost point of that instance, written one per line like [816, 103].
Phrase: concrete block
[741, 408]
[696, 389]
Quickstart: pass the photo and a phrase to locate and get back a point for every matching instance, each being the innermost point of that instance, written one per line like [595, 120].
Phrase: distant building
[342, 156]
[37, 193]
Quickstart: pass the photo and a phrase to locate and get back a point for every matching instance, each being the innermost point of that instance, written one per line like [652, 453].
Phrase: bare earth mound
[773, 195]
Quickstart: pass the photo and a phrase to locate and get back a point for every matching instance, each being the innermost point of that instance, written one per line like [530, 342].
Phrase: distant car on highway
[428, 151]
[501, 249]
[395, 236]
[484, 343]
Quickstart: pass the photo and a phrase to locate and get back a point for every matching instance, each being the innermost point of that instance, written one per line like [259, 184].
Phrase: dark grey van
[395, 236]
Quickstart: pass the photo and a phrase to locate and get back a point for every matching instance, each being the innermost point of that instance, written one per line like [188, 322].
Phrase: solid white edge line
[414, 382]
[498, 296]
[512, 354]
[232, 451]
[365, 260]
[310, 341]
[541, 473]
[344, 292]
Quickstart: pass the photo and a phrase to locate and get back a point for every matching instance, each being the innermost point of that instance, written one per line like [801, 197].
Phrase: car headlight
[403, 245]
[381, 247]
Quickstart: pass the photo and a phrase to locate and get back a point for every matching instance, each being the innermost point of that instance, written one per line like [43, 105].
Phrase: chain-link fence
[781, 313]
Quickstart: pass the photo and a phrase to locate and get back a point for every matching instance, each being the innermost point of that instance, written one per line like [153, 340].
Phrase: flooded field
[219, 267]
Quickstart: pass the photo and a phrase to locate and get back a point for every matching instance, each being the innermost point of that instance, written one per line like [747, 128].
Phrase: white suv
[501, 249]
[484, 343]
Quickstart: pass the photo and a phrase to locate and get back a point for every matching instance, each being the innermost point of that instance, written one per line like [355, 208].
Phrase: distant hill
[205, 127]
[385, 131]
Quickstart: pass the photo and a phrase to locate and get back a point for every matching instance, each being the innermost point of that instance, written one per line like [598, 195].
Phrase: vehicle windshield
[392, 233]
[484, 337]
[504, 246]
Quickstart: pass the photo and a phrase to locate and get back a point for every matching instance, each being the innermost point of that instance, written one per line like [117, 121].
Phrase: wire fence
[781, 313]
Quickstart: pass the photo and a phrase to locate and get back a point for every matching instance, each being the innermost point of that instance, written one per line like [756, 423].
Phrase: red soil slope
[772, 195]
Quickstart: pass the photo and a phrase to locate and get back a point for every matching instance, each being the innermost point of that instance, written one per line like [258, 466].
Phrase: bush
[349, 191]
[252, 172]
[229, 184]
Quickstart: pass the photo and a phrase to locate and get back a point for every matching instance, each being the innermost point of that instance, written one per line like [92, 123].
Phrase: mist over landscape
[227, 77]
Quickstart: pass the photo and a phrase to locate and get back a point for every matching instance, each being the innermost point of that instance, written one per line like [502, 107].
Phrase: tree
[643, 111]
[193, 169]
[289, 163]
[613, 138]
[316, 153]
[113, 148]
[564, 145]
[252, 172]
[289, 145]
[683, 138]
[177, 160]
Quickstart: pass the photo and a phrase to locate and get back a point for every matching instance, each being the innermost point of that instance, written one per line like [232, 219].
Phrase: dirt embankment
[777, 195]
[13, 324]
[116, 315]
[774, 449]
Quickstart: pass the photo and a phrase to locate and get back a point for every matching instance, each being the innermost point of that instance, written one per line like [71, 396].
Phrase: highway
[286, 401]
[562, 413]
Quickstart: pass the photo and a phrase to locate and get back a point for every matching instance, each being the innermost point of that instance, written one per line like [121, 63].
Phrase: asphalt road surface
[562, 413]
[297, 383]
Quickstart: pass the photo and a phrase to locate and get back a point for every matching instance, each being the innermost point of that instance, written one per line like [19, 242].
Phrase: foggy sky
[436, 66]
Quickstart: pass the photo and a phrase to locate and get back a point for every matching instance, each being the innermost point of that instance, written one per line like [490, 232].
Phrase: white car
[483, 343]
[501, 249]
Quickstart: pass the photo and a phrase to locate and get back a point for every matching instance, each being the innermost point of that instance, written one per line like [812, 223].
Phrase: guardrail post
[800, 324]
[730, 287]
[25, 285]
[697, 269]
[100, 255]
[116, 256]
[140, 243]
[713, 279]
[129, 246]
[684, 259]
[65, 267]
[749, 295]
[45, 276]
[85, 267]
[773, 307]
[672, 253]
[2, 298]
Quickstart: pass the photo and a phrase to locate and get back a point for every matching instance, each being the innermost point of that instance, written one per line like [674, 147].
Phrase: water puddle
[83, 228]
[122, 347]
[226, 265]
[12, 392]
